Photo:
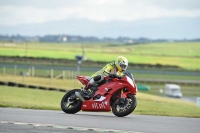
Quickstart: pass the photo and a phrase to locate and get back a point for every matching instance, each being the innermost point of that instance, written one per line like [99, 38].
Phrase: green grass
[182, 49]
[185, 55]
[147, 104]
[154, 105]
[46, 82]
[27, 98]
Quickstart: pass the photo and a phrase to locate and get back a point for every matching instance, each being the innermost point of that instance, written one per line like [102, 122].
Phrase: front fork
[123, 95]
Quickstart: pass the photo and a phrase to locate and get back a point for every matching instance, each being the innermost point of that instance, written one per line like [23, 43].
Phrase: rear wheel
[123, 107]
[70, 103]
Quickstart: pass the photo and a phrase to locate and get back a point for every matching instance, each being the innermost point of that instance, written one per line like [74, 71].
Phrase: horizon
[101, 39]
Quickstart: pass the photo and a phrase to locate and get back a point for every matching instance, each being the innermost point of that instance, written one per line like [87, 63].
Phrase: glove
[114, 76]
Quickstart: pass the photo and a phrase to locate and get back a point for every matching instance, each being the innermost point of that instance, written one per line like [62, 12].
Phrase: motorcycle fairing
[91, 105]
[83, 79]
[106, 91]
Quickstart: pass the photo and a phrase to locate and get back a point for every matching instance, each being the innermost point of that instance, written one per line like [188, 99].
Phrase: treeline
[69, 38]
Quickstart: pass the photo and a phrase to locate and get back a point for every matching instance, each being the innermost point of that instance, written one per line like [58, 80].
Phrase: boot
[84, 91]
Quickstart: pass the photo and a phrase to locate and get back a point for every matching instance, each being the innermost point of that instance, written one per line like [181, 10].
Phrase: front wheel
[123, 107]
[69, 103]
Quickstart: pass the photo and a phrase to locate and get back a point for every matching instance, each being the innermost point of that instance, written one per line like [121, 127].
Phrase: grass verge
[45, 82]
[147, 104]
[186, 55]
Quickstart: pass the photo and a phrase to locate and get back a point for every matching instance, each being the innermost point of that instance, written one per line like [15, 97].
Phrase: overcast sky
[102, 18]
[13, 12]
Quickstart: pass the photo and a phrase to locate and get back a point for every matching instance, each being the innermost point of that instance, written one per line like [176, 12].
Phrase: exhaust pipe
[79, 96]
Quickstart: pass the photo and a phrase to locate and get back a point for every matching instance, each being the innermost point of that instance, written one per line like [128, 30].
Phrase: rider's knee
[97, 78]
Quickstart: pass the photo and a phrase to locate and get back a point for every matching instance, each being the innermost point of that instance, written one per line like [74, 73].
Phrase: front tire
[69, 105]
[126, 108]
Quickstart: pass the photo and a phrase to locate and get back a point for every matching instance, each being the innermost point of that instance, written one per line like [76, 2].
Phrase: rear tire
[70, 107]
[128, 108]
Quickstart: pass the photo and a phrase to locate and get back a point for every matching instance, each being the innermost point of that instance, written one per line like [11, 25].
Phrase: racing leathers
[98, 76]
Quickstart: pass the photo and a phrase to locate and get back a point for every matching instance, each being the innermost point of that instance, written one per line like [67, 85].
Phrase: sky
[28, 12]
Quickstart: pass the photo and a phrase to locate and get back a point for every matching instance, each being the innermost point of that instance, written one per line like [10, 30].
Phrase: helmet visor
[123, 66]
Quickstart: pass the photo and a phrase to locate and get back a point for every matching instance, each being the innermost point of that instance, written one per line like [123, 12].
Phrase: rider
[114, 70]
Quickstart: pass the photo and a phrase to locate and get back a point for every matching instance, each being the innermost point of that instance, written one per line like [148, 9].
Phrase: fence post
[74, 75]
[66, 74]
[15, 70]
[72, 72]
[29, 71]
[69, 76]
[4, 70]
[63, 73]
[33, 71]
[51, 76]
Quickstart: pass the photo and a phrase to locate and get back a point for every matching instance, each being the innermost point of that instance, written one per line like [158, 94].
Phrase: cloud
[176, 4]
[12, 15]
[22, 12]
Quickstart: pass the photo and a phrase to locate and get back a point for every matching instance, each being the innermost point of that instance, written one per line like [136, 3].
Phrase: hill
[167, 29]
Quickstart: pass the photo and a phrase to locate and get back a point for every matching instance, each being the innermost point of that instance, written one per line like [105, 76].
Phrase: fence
[49, 76]
[31, 71]
[60, 73]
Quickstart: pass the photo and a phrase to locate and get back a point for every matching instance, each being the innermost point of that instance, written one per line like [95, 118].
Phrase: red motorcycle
[113, 94]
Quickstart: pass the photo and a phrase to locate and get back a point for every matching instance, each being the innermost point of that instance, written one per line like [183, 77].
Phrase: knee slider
[97, 78]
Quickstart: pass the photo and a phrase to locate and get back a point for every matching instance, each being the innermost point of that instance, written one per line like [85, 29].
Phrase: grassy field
[185, 55]
[147, 104]
[68, 84]
[46, 82]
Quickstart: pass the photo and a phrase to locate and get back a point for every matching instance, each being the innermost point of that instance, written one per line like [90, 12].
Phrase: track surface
[42, 121]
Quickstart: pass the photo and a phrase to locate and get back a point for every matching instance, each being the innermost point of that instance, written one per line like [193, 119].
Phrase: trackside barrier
[32, 72]
[13, 84]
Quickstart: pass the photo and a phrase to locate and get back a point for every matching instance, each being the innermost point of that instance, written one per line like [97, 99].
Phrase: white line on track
[68, 127]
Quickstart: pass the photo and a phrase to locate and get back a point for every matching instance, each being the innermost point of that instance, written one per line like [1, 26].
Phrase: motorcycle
[113, 94]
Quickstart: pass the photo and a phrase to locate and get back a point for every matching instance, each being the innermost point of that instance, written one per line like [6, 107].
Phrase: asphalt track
[44, 121]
